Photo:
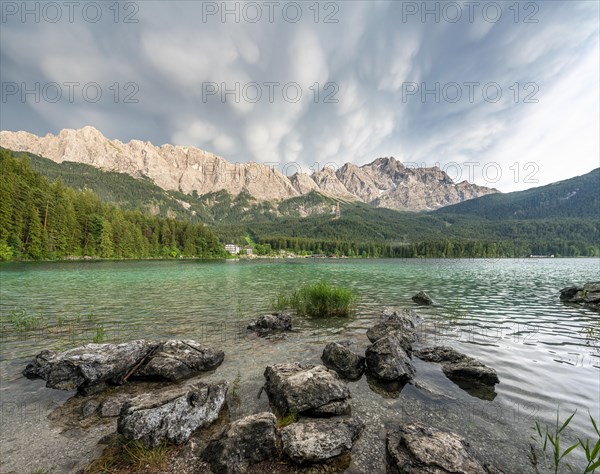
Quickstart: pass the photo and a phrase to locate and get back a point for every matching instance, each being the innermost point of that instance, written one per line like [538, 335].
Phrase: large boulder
[269, 323]
[92, 366]
[458, 366]
[310, 441]
[89, 365]
[346, 363]
[171, 414]
[175, 360]
[242, 443]
[419, 449]
[387, 359]
[587, 295]
[423, 299]
[313, 390]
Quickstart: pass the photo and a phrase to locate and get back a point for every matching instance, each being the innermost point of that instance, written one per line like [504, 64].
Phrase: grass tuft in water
[548, 441]
[100, 334]
[320, 299]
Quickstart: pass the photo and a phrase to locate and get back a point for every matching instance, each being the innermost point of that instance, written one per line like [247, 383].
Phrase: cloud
[197, 79]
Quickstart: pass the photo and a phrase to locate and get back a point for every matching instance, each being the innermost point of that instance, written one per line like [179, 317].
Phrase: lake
[504, 312]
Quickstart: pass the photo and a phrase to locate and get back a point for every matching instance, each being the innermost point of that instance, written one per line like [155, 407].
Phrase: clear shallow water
[504, 312]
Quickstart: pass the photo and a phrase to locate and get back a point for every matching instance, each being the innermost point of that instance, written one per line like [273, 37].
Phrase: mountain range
[384, 183]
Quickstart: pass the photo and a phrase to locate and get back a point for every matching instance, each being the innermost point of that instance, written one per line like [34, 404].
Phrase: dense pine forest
[40, 219]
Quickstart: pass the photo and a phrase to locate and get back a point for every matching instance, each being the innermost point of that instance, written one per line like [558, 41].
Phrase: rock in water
[423, 299]
[177, 360]
[92, 366]
[387, 360]
[459, 366]
[171, 414]
[318, 440]
[268, 323]
[587, 295]
[244, 442]
[383, 329]
[310, 389]
[89, 365]
[418, 449]
[346, 363]
[407, 318]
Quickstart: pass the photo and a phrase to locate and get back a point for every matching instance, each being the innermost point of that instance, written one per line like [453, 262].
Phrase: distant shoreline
[276, 257]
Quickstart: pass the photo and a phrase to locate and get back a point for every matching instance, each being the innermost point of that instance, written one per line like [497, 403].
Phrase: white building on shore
[232, 249]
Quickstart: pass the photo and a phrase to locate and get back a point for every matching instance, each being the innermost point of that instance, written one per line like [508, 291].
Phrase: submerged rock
[346, 363]
[419, 449]
[422, 298]
[387, 359]
[89, 368]
[268, 323]
[311, 389]
[242, 443]
[459, 366]
[587, 295]
[171, 414]
[386, 388]
[309, 441]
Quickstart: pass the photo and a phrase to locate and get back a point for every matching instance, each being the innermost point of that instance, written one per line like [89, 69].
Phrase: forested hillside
[115, 215]
[40, 219]
[571, 198]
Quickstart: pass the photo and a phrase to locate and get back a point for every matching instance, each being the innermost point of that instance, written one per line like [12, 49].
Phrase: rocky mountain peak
[385, 182]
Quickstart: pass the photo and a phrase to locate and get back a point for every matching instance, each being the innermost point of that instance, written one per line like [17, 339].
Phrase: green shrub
[320, 299]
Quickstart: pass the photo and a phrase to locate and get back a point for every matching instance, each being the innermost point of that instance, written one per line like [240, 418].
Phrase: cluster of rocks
[321, 400]
[389, 357]
[587, 295]
[314, 398]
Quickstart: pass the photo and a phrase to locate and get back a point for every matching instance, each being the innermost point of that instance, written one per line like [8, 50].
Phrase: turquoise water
[504, 312]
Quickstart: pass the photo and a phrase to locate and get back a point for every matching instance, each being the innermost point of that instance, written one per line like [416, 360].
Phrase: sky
[503, 94]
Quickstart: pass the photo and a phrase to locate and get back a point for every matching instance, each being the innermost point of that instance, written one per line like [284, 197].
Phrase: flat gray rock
[176, 360]
[91, 367]
[303, 388]
[309, 441]
[419, 449]
[171, 414]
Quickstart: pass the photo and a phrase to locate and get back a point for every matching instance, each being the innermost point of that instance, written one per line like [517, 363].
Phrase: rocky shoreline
[164, 397]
